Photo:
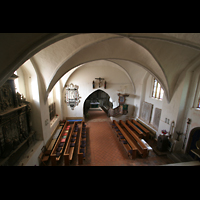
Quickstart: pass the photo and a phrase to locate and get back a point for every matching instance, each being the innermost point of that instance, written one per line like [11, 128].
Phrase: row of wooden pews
[55, 137]
[70, 146]
[82, 143]
[47, 149]
[126, 141]
[137, 128]
[59, 145]
[66, 143]
[131, 138]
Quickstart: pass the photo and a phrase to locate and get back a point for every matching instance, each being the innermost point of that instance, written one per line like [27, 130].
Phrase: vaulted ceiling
[167, 56]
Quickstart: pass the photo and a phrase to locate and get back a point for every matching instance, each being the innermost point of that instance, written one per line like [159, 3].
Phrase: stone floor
[105, 149]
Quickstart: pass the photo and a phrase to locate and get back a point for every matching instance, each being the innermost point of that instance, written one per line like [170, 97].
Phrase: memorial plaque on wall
[156, 118]
[146, 112]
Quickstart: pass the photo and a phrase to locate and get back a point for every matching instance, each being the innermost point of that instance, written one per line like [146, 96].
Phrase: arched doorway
[193, 138]
[98, 100]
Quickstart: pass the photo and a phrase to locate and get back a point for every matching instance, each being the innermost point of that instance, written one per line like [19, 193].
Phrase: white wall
[56, 97]
[22, 85]
[32, 96]
[40, 110]
[138, 76]
[171, 111]
[191, 111]
[30, 86]
[148, 96]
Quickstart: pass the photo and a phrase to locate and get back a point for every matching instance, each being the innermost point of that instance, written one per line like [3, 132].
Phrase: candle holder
[178, 133]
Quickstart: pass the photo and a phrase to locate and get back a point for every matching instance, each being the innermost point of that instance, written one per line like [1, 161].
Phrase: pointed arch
[85, 108]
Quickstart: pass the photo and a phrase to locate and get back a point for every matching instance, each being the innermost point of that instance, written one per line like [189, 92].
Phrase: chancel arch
[96, 99]
[85, 75]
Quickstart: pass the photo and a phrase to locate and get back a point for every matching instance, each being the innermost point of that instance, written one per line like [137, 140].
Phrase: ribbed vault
[167, 56]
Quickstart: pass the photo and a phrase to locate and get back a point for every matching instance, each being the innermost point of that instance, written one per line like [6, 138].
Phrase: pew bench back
[68, 152]
[146, 131]
[53, 152]
[80, 154]
[137, 130]
[136, 140]
[131, 144]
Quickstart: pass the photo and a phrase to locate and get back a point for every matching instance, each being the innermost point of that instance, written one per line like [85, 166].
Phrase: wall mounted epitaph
[72, 96]
[156, 119]
[146, 111]
[14, 123]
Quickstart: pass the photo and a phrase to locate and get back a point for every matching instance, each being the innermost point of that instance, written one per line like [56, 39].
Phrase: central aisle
[104, 147]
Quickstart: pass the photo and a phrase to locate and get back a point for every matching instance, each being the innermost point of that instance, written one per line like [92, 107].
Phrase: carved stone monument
[156, 119]
[146, 112]
[14, 121]
[72, 97]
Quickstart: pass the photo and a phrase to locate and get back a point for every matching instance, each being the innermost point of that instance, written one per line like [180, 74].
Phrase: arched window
[157, 92]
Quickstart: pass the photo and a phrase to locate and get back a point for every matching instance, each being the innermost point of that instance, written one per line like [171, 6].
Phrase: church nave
[104, 148]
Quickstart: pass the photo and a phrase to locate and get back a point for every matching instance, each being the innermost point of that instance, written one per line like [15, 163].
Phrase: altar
[94, 105]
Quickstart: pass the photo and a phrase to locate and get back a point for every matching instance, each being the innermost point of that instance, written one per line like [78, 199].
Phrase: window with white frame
[157, 91]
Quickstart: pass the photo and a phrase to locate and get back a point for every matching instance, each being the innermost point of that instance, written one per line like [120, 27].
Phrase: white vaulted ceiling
[112, 48]
[167, 56]
[50, 59]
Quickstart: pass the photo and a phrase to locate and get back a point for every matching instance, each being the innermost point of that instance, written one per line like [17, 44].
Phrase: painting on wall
[72, 97]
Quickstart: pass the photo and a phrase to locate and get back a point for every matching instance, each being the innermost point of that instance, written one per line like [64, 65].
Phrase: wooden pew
[142, 149]
[137, 130]
[68, 152]
[53, 138]
[127, 147]
[43, 157]
[141, 127]
[80, 154]
[53, 157]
